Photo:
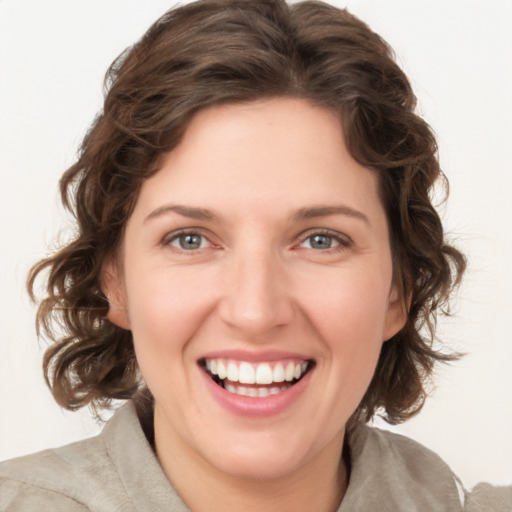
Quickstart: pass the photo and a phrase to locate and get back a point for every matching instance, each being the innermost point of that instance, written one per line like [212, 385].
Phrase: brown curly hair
[221, 51]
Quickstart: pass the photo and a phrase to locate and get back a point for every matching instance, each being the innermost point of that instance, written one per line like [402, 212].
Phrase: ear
[396, 316]
[112, 286]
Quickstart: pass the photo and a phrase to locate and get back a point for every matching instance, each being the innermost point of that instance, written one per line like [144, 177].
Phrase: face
[255, 275]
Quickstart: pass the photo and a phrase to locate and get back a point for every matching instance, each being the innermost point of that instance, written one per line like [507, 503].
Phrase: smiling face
[256, 277]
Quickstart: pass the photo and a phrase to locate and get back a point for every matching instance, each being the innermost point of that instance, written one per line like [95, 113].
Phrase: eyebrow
[311, 212]
[314, 212]
[185, 211]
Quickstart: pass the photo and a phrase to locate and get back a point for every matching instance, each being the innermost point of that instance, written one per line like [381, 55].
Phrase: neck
[319, 484]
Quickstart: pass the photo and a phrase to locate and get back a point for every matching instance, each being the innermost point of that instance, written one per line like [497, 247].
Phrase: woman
[256, 251]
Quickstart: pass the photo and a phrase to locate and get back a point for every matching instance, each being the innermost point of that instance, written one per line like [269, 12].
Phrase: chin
[266, 454]
[259, 464]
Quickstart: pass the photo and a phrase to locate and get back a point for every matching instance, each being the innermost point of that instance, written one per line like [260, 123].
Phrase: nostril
[254, 301]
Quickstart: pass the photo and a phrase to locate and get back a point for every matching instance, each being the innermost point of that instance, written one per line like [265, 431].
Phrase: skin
[257, 283]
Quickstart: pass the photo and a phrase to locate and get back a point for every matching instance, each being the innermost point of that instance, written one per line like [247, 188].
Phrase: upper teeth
[256, 373]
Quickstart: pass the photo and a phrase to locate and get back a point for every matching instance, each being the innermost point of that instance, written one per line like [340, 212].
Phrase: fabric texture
[118, 471]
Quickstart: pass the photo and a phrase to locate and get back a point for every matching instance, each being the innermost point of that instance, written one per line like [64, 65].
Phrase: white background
[458, 54]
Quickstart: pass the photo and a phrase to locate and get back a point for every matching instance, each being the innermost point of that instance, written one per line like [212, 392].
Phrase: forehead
[268, 152]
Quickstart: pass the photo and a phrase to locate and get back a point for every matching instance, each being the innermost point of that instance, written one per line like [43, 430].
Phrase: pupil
[190, 241]
[321, 242]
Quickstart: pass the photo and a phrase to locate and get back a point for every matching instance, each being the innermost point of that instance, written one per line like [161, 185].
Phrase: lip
[260, 407]
[255, 357]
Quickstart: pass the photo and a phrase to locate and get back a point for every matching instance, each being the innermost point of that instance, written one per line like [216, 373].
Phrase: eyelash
[175, 236]
[343, 241]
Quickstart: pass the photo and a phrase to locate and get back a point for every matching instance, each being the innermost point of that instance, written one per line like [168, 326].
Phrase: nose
[256, 300]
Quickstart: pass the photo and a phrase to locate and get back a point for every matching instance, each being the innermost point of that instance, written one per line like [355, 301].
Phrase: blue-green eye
[321, 241]
[189, 241]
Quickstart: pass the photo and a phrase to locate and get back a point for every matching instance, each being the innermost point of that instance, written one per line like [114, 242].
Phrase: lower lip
[256, 407]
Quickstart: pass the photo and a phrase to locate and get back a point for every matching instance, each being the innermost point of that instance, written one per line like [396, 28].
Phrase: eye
[320, 241]
[188, 241]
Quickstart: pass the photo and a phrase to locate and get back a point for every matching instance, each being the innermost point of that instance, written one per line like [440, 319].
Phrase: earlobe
[396, 316]
[118, 316]
[113, 289]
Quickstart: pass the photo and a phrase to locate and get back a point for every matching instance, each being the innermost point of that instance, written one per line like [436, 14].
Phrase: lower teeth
[256, 392]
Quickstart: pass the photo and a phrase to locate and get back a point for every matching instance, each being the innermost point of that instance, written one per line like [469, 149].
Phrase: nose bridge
[256, 299]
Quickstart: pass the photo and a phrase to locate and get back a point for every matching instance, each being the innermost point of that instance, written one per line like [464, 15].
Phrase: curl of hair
[220, 51]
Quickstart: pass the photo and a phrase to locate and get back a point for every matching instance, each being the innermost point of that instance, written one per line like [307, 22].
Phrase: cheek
[349, 313]
[350, 305]
[166, 306]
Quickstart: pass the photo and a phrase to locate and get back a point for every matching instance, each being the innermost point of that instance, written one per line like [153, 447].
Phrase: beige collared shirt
[118, 471]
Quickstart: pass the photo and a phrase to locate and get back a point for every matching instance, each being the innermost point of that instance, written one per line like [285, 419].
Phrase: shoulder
[399, 473]
[54, 479]
[17, 496]
[488, 498]
[76, 477]
[116, 470]
[405, 454]
[403, 475]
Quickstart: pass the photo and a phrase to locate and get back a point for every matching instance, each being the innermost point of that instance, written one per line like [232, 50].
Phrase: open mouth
[255, 380]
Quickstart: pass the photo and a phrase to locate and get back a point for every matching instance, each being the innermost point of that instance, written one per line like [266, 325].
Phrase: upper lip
[266, 356]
